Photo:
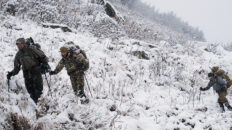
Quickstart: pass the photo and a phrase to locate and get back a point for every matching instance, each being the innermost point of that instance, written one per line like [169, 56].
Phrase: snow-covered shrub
[16, 122]
[212, 47]
[228, 46]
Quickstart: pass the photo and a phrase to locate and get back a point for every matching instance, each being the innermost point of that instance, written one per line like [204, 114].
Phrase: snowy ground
[128, 93]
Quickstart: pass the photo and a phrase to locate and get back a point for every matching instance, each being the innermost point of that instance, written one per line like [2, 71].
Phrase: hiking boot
[81, 95]
[221, 106]
[228, 106]
[84, 101]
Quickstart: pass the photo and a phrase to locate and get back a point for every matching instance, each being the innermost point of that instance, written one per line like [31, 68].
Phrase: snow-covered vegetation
[139, 80]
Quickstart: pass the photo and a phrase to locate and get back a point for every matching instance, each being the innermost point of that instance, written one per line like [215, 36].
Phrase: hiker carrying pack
[75, 49]
[30, 43]
[75, 61]
[30, 59]
[219, 72]
[220, 85]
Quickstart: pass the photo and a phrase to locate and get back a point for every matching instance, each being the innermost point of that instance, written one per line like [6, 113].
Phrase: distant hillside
[91, 16]
[166, 19]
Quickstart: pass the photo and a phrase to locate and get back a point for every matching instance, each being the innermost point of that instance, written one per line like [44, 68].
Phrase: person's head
[64, 51]
[215, 69]
[20, 43]
[210, 75]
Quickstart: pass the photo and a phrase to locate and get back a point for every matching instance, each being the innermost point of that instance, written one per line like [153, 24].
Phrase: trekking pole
[8, 83]
[199, 98]
[47, 81]
[88, 86]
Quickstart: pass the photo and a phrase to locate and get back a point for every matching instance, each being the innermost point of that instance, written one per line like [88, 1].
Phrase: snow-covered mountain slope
[91, 17]
[156, 90]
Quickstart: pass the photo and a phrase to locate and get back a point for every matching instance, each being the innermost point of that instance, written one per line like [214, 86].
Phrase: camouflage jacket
[72, 62]
[29, 59]
[219, 72]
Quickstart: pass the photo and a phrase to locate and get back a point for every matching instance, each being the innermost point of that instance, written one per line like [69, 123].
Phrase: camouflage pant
[34, 83]
[222, 97]
[77, 80]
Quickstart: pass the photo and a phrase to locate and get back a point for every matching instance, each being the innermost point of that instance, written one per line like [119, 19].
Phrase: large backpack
[30, 43]
[222, 73]
[36, 47]
[75, 49]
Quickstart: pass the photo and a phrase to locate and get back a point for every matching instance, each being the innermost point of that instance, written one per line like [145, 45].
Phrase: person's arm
[59, 67]
[210, 84]
[16, 69]
[17, 65]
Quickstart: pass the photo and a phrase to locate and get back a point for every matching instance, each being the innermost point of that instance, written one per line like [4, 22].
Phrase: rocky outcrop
[55, 26]
[141, 55]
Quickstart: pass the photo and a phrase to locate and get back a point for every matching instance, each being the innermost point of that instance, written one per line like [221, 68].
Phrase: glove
[52, 72]
[9, 75]
[45, 67]
[202, 89]
[80, 65]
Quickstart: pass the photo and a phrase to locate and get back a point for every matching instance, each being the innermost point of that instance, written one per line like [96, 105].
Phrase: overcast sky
[213, 17]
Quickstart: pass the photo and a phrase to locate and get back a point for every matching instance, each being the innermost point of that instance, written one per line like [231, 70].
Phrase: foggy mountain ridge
[167, 19]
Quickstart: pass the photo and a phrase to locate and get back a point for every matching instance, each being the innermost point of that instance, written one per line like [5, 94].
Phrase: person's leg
[224, 100]
[37, 85]
[80, 85]
[29, 84]
[74, 84]
[30, 89]
[221, 106]
[221, 101]
[228, 106]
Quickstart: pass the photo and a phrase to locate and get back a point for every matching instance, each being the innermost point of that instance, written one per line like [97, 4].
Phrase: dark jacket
[29, 59]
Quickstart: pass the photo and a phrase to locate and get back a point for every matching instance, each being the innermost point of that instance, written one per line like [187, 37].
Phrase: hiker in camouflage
[220, 85]
[74, 65]
[33, 62]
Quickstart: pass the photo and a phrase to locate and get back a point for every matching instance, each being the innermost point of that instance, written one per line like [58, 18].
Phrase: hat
[20, 40]
[63, 49]
[215, 69]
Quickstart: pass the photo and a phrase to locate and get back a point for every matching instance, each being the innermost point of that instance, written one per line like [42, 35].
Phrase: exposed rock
[190, 124]
[141, 55]
[204, 109]
[110, 10]
[100, 2]
[113, 108]
[55, 26]
[151, 46]
[136, 43]
[11, 9]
